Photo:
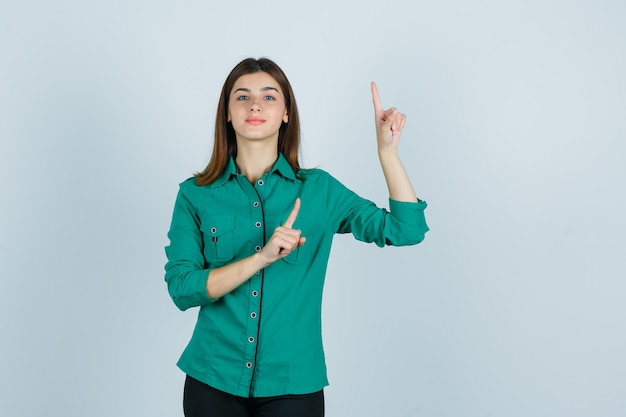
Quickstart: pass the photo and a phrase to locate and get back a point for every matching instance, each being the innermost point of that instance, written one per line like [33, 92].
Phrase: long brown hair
[225, 143]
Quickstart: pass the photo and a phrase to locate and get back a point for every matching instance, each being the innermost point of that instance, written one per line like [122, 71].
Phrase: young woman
[249, 244]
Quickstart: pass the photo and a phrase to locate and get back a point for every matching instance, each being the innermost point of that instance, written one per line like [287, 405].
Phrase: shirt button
[257, 248]
[257, 224]
[255, 204]
[248, 365]
[253, 315]
[213, 229]
[251, 339]
[255, 293]
[260, 182]
[257, 272]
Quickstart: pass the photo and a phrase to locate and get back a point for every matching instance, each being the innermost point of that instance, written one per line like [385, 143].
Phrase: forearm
[225, 279]
[398, 182]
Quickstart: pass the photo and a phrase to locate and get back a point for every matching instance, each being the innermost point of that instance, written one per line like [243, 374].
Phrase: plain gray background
[514, 305]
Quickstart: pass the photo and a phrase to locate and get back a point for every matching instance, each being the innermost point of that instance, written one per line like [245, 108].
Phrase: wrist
[388, 152]
[260, 261]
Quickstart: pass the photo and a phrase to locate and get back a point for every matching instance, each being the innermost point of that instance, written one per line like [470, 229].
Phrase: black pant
[201, 400]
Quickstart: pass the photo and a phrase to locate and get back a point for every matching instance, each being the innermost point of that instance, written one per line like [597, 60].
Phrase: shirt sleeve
[403, 224]
[185, 271]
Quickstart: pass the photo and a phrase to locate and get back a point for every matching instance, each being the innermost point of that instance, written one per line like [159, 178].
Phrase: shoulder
[189, 182]
[189, 185]
[320, 178]
[322, 182]
[190, 189]
[315, 175]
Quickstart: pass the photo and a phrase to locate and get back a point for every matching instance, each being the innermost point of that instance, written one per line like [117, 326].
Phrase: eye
[242, 98]
[269, 98]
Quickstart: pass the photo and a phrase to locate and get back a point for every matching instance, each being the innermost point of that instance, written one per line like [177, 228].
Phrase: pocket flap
[217, 226]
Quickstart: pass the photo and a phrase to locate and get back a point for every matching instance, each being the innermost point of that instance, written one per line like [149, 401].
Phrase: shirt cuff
[196, 293]
[406, 207]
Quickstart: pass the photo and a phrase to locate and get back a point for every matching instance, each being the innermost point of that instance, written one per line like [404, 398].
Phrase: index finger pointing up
[378, 107]
[293, 215]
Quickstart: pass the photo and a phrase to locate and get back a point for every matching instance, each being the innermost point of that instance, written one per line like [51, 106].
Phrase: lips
[255, 121]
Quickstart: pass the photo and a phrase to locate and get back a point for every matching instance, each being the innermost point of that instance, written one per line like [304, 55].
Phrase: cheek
[233, 111]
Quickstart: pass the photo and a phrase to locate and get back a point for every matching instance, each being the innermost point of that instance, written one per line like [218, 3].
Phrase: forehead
[256, 81]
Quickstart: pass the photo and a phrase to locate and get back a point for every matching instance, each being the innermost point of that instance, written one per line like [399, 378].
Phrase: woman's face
[256, 107]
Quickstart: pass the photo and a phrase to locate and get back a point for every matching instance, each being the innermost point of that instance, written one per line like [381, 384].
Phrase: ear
[228, 118]
[285, 117]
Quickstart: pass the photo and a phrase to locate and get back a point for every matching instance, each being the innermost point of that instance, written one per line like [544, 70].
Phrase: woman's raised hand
[284, 239]
[389, 123]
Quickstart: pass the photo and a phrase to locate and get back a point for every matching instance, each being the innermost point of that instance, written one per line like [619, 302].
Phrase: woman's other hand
[389, 123]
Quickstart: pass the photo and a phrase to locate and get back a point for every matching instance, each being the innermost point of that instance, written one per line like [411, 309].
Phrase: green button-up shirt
[264, 338]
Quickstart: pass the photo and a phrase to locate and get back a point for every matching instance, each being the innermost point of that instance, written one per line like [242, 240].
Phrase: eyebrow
[247, 90]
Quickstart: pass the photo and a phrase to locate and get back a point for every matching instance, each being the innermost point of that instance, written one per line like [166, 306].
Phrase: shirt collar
[231, 169]
[281, 166]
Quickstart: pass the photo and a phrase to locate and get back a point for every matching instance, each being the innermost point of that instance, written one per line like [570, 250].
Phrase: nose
[255, 105]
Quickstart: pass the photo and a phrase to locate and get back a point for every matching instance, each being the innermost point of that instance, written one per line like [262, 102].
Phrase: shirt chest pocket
[219, 238]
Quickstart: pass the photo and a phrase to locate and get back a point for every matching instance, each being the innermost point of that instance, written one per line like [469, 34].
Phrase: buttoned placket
[255, 286]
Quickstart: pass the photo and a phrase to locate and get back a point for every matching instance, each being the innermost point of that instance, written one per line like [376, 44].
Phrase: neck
[255, 159]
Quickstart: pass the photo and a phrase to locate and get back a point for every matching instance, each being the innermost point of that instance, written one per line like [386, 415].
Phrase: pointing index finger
[293, 215]
[378, 107]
